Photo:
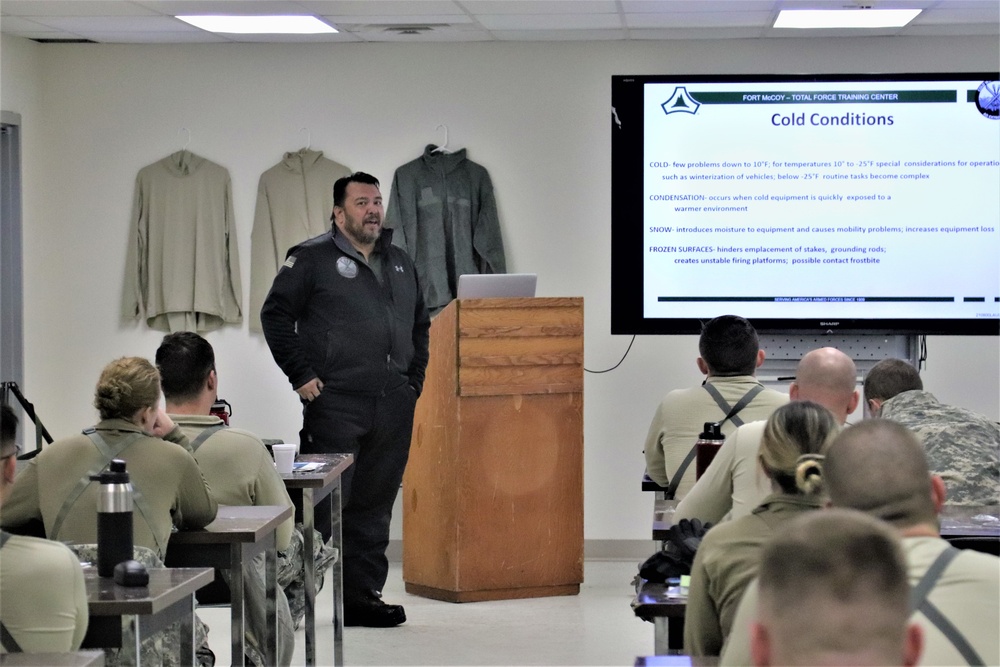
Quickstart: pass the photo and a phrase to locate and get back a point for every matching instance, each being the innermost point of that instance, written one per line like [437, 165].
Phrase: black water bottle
[114, 518]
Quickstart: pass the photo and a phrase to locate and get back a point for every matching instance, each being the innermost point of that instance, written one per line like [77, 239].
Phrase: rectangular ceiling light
[845, 18]
[260, 25]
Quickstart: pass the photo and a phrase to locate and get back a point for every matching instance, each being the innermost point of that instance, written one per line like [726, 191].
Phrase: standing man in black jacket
[346, 322]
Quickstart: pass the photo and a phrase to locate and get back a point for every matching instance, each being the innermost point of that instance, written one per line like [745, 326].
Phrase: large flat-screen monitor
[836, 203]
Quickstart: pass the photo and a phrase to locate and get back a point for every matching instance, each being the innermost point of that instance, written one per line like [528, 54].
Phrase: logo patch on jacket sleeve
[290, 262]
[347, 267]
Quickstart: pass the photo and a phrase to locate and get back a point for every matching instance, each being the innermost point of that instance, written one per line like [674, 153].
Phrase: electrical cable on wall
[608, 370]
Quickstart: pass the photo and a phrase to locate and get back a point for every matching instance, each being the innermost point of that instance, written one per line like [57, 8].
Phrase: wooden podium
[493, 491]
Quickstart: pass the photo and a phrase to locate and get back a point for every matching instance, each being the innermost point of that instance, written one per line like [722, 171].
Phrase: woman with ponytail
[57, 485]
[791, 455]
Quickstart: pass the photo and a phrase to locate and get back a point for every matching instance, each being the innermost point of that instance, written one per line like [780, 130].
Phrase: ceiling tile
[699, 20]
[234, 7]
[479, 20]
[842, 4]
[72, 8]
[17, 26]
[397, 19]
[559, 35]
[986, 13]
[673, 6]
[119, 24]
[540, 6]
[429, 37]
[60, 36]
[338, 37]
[833, 32]
[549, 21]
[954, 29]
[694, 33]
[381, 8]
[196, 37]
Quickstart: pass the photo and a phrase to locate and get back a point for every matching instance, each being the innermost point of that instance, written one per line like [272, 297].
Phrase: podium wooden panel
[493, 491]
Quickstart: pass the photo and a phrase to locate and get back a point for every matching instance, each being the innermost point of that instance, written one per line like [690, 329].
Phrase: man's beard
[362, 234]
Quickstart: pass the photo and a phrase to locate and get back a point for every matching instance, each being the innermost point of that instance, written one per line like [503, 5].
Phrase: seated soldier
[791, 454]
[962, 446]
[733, 485]
[879, 467]
[730, 355]
[238, 470]
[55, 486]
[44, 607]
[170, 491]
[833, 591]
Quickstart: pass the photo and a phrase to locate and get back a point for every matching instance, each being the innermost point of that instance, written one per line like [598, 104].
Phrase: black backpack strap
[675, 481]
[205, 435]
[138, 500]
[919, 593]
[731, 412]
[730, 415]
[919, 602]
[6, 639]
[953, 634]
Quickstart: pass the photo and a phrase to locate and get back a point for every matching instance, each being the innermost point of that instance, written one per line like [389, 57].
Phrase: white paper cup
[284, 457]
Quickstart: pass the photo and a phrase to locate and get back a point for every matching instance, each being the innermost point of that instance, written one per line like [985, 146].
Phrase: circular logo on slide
[988, 99]
[347, 267]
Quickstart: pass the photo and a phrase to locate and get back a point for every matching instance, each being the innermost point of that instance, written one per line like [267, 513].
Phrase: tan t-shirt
[681, 416]
[238, 469]
[734, 484]
[166, 475]
[967, 594]
[727, 560]
[44, 600]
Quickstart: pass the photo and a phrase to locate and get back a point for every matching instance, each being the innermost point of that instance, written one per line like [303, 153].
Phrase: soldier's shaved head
[829, 377]
[879, 467]
[834, 591]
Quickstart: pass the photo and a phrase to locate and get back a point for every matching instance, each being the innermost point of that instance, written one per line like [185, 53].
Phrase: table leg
[236, 603]
[271, 586]
[337, 541]
[660, 636]
[309, 568]
[137, 636]
[186, 649]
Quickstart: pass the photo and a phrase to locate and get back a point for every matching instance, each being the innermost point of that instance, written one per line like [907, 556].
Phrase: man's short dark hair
[340, 187]
[729, 346]
[834, 582]
[890, 377]
[184, 360]
[8, 431]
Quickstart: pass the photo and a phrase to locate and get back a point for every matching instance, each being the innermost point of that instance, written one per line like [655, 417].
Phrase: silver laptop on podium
[496, 285]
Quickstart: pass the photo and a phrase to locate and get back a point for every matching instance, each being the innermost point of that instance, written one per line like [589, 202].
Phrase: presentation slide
[861, 199]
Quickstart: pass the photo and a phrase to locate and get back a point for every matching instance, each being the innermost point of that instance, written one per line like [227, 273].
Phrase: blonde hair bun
[809, 473]
[126, 386]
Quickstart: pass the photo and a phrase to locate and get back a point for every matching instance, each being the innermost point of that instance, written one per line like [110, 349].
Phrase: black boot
[368, 610]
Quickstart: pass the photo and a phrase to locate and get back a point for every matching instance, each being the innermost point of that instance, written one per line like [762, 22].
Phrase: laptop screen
[496, 285]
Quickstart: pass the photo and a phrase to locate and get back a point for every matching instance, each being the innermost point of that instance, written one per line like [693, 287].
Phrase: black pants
[376, 430]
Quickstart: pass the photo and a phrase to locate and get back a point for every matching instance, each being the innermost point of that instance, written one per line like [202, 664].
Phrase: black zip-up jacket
[328, 316]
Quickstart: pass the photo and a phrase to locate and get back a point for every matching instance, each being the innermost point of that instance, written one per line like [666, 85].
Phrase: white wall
[535, 114]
